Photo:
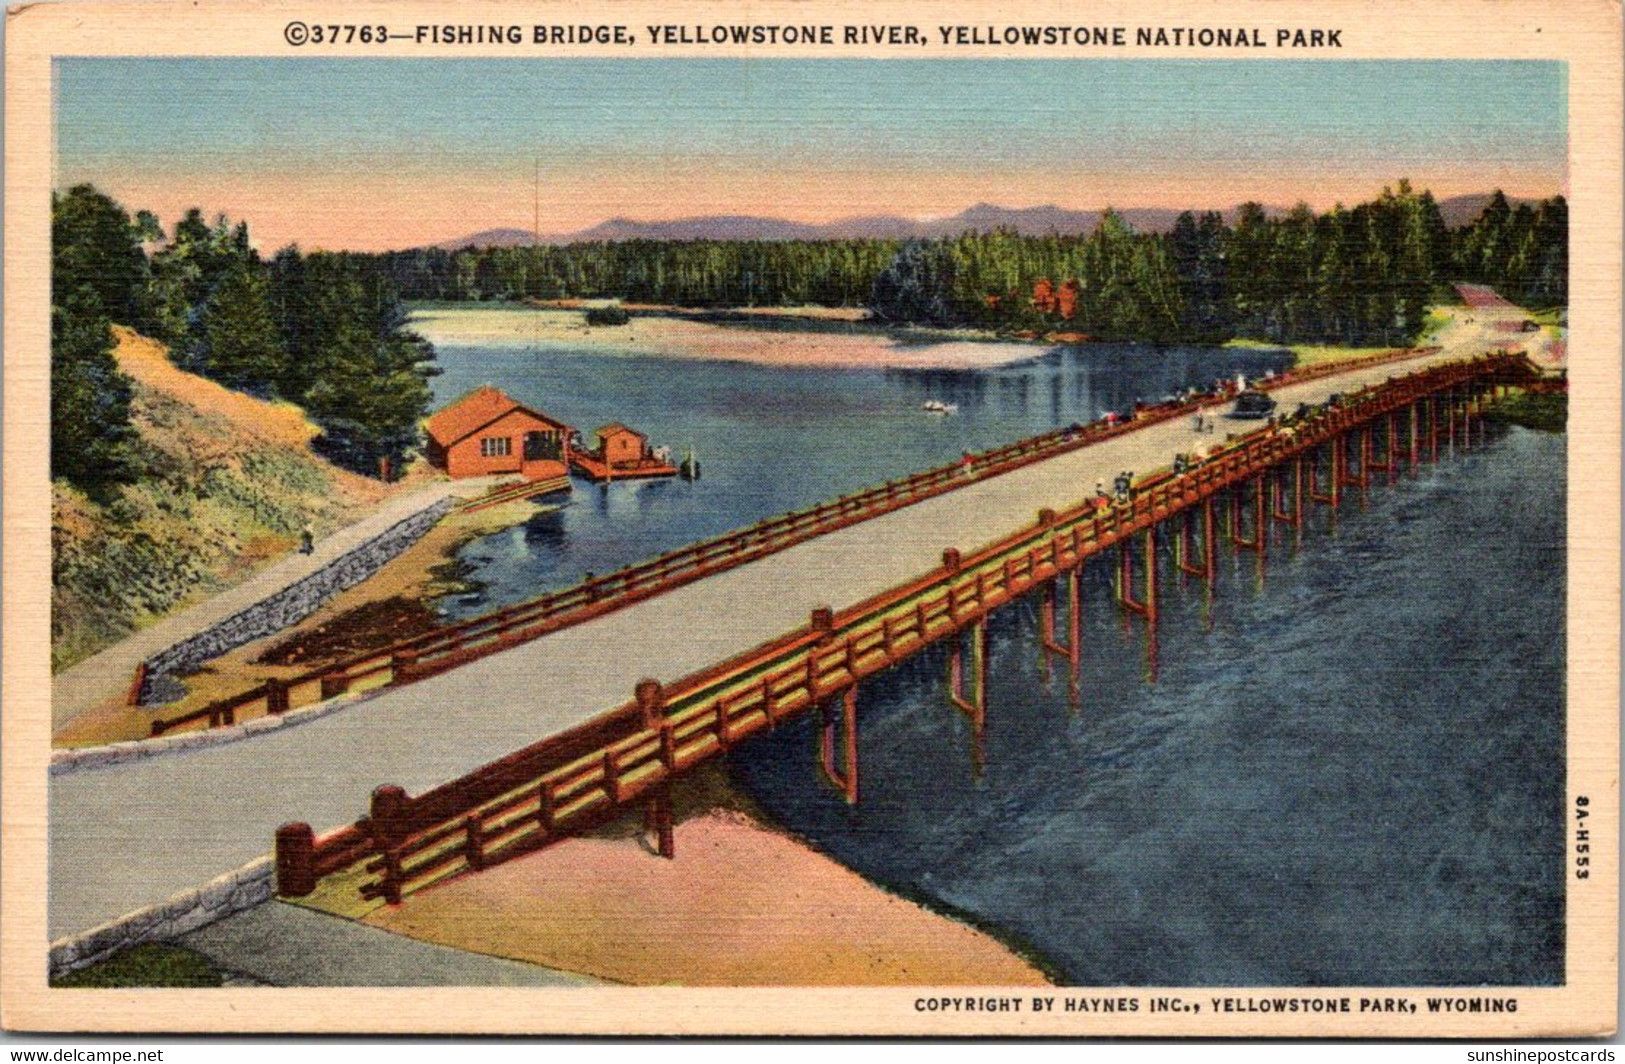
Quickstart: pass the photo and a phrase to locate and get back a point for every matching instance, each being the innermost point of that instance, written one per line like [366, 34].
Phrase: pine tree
[90, 399]
[236, 338]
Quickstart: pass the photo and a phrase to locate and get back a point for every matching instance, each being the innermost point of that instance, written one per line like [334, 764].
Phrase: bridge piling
[845, 778]
[974, 703]
[659, 820]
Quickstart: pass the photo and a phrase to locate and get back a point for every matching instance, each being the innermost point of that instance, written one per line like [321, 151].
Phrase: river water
[769, 439]
[1345, 769]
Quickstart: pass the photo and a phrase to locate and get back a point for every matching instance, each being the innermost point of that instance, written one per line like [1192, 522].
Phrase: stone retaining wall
[290, 605]
[251, 885]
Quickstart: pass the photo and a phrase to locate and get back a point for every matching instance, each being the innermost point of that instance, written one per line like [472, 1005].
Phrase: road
[133, 834]
[107, 674]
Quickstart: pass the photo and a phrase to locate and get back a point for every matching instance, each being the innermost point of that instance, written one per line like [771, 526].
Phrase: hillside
[229, 482]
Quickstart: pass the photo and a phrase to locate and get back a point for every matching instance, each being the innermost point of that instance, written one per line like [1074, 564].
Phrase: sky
[368, 154]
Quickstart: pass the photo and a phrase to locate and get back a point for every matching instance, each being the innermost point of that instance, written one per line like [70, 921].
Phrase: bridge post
[1411, 437]
[1209, 547]
[1433, 428]
[1261, 524]
[1046, 626]
[659, 819]
[844, 779]
[1074, 630]
[1338, 446]
[973, 704]
[295, 860]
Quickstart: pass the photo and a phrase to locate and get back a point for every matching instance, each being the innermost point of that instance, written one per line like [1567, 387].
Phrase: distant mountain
[1460, 210]
[490, 238]
[1029, 221]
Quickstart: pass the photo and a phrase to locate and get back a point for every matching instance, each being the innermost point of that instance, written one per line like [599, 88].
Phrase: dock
[594, 468]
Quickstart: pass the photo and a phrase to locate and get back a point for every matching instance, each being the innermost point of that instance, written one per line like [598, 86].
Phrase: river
[1347, 769]
[769, 438]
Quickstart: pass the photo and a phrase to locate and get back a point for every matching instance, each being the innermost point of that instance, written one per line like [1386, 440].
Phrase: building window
[495, 446]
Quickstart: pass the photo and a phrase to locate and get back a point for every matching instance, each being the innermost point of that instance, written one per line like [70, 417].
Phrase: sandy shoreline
[744, 903]
[825, 342]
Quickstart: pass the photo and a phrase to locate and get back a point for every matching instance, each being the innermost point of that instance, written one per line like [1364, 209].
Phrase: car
[1252, 405]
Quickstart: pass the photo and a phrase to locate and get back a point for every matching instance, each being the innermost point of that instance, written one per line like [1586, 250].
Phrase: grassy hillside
[228, 481]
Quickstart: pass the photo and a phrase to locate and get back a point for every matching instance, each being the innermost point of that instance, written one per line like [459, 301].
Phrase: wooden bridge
[458, 644]
[627, 759]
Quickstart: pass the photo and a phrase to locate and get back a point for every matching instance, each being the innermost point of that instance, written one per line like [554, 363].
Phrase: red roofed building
[487, 432]
[1066, 300]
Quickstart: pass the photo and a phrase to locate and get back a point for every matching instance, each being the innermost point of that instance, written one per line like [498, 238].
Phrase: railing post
[388, 817]
[402, 664]
[335, 684]
[295, 860]
[822, 623]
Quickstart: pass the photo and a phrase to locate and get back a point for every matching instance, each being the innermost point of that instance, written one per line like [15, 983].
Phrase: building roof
[616, 426]
[464, 417]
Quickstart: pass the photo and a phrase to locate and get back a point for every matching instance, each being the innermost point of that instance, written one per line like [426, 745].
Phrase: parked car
[1252, 405]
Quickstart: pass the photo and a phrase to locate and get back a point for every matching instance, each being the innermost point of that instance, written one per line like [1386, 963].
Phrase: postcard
[812, 518]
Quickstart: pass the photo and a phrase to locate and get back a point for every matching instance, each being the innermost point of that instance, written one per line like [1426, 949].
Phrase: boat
[689, 468]
[1252, 405]
[937, 406]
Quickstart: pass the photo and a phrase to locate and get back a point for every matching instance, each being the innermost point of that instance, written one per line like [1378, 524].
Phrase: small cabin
[488, 432]
[621, 453]
[619, 445]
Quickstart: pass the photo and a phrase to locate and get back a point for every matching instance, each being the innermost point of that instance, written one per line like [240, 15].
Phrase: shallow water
[1349, 768]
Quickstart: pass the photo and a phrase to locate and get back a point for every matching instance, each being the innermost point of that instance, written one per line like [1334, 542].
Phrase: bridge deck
[132, 834]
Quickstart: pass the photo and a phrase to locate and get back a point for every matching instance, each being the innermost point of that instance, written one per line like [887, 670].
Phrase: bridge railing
[457, 644]
[572, 781]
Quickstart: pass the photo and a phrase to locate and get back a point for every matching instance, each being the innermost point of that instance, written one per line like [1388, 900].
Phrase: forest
[323, 330]
[1360, 275]
[328, 330]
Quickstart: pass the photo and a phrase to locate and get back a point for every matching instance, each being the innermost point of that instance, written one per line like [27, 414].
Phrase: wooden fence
[457, 644]
[588, 774]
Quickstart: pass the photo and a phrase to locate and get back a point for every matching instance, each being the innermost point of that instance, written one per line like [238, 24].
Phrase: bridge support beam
[1293, 517]
[972, 703]
[1415, 435]
[1147, 606]
[1072, 651]
[845, 777]
[1238, 503]
[659, 821]
[1332, 495]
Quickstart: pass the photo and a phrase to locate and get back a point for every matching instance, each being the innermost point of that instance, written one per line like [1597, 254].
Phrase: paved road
[286, 945]
[129, 835]
[107, 674]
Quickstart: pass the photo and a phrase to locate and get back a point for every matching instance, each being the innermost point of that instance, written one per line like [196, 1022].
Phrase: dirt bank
[743, 904]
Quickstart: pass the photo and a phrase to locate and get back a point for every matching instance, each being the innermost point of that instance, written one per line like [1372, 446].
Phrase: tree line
[323, 330]
[1360, 275]
[327, 330]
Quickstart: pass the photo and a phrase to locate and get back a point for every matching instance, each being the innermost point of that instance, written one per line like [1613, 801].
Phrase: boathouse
[488, 432]
[621, 453]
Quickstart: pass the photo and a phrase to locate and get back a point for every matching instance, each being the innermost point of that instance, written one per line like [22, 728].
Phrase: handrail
[568, 782]
[457, 644]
